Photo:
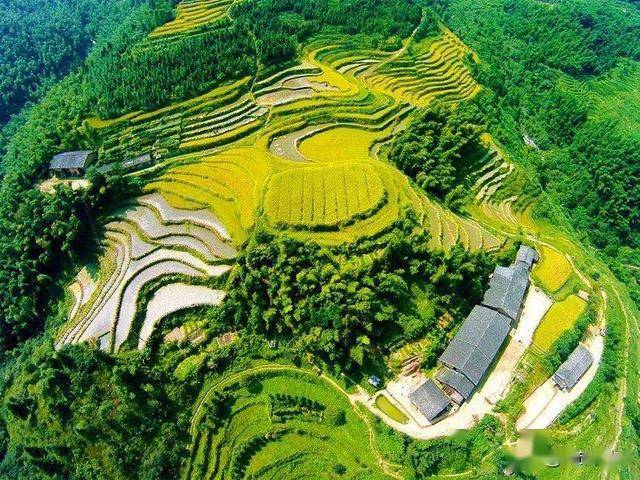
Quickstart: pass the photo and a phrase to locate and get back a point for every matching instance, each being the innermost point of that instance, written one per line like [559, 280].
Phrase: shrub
[335, 416]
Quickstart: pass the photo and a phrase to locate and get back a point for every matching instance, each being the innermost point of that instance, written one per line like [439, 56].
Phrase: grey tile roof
[77, 159]
[137, 161]
[573, 368]
[527, 256]
[457, 381]
[477, 342]
[127, 164]
[430, 400]
[507, 288]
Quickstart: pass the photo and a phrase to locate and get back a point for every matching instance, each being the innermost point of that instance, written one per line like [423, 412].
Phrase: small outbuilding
[72, 164]
[375, 381]
[572, 370]
[527, 256]
[430, 401]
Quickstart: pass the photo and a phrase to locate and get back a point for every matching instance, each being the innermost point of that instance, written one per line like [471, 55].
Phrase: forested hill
[560, 77]
[43, 40]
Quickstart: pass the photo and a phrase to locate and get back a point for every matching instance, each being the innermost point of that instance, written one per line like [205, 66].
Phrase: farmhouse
[508, 285]
[573, 368]
[507, 288]
[476, 344]
[472, 351]
[430, 401]
[455, 384]
[72, 164]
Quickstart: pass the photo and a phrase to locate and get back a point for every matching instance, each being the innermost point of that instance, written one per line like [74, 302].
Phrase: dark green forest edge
[79, 413]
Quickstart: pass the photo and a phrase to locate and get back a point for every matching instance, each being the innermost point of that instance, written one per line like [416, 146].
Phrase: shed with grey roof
[573, 368]
[527, 256]
[72, 164]
[507, 288]
[456, 385]
[131, 164]
[477, 343]
[432, 402]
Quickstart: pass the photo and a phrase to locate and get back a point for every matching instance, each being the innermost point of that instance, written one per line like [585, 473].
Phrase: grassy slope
[310, 444]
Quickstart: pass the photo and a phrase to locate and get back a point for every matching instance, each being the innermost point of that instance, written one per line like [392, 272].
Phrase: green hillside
[295, 205]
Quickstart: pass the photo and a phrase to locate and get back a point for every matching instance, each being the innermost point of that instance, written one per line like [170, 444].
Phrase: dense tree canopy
[73, 414]
[535, 55]
[41, 41]
[337, 308]
[433, 145]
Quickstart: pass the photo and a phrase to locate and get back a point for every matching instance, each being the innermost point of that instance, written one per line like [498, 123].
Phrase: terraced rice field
[231, 150]
[618, 98]
[193, 14]
[615, 96]
[173, 298]
[297, 149]
[340, 144]
[297, 426]
[152, 241]
[424, 71]
[323, 197]
[448, 229]
[553, 270]
[502, 192]
[560, 317]
[229, 184]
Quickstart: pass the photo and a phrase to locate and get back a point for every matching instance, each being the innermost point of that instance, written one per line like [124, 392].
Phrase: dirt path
[396, 54]
[631, 321]
[387, 467]
[581, 275]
